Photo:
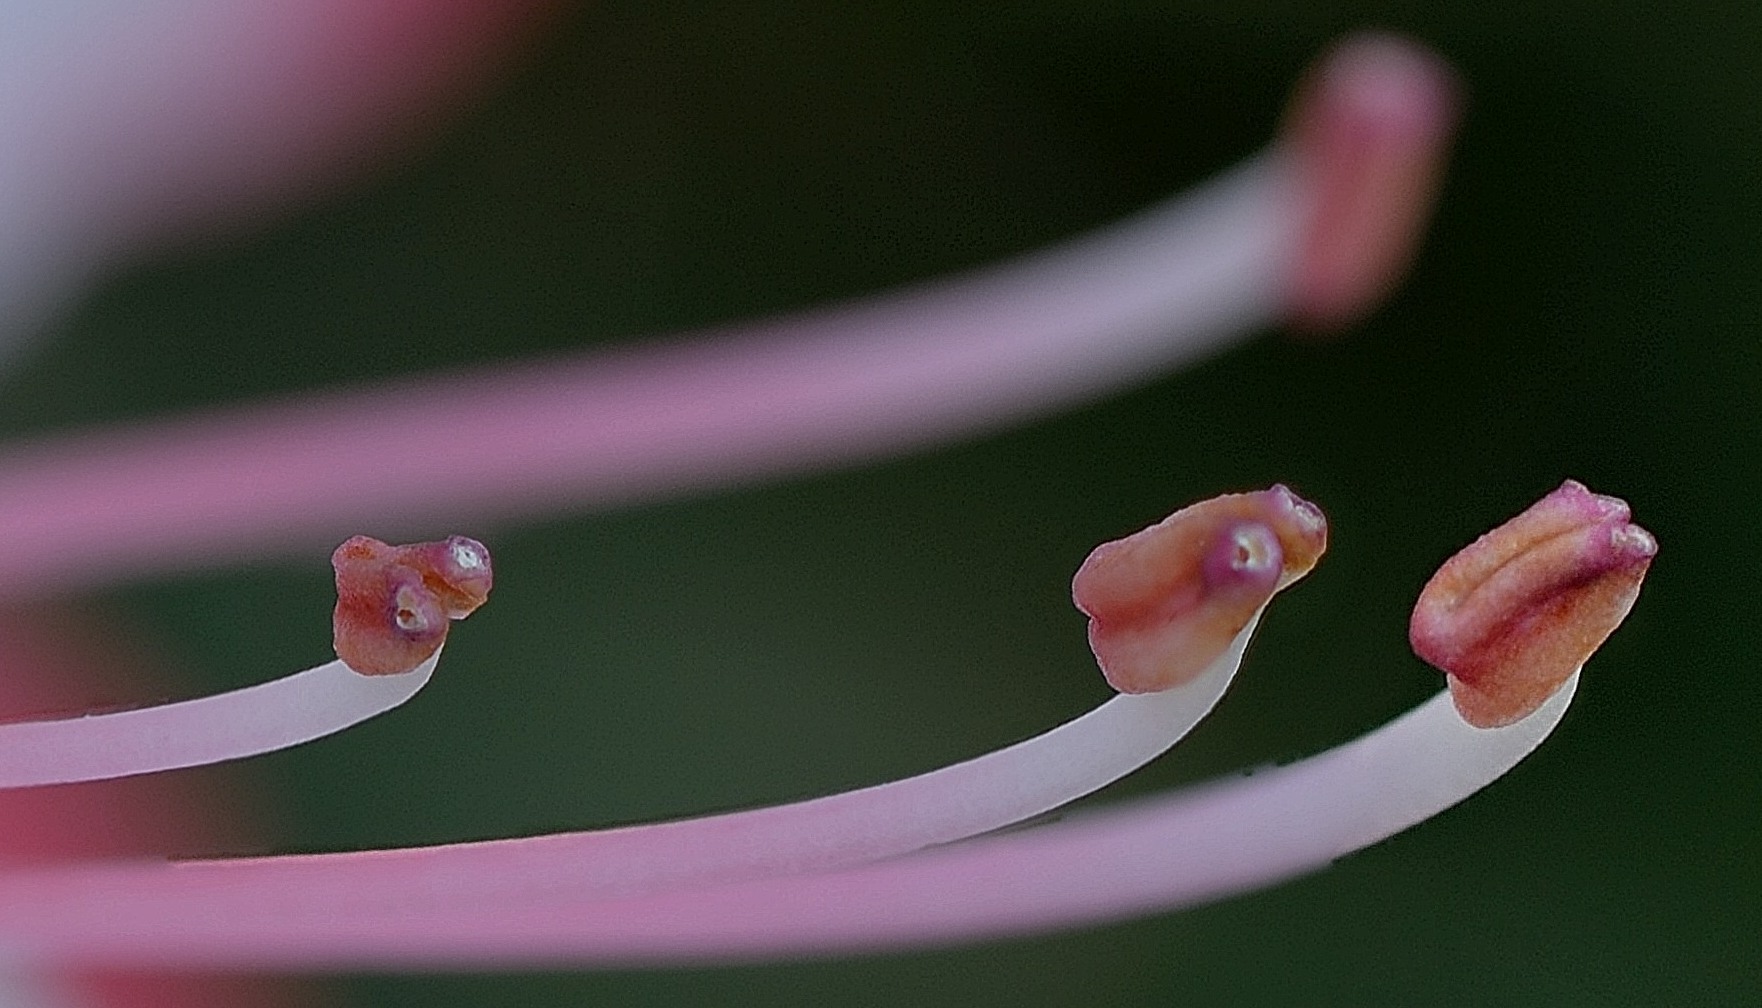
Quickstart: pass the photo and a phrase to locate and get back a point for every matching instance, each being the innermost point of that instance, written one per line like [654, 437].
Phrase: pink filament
[952, 803]
[1159, 854]
[876, 376]
[52, 659]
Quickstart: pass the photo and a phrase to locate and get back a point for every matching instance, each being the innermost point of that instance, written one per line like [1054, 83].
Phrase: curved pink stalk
[875, 376]
[952, 803]
[1159, 854]
[57, 660]
[212, 729]
[884, 374]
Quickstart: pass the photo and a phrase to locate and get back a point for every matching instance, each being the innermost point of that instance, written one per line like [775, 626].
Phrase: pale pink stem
[63, 659]
[213, 729]
[1154, 855]
[878, 375]
[1320, 224]
[955, 802]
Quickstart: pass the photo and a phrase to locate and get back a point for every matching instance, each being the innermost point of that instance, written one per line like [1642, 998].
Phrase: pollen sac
[394, 602]
[1513, 616]
[1165, 602]
[456, 569]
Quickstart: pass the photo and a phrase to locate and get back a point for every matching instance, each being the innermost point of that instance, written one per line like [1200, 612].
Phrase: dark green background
[1586, 306]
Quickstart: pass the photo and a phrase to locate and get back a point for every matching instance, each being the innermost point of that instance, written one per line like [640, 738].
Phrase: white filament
[226, 726]
[1158, 854]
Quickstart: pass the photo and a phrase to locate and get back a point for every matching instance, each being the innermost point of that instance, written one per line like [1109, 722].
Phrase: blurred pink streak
[57, 661]
[129, 122]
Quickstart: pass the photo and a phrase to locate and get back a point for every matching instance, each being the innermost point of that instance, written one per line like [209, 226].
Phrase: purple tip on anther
[1247, 555]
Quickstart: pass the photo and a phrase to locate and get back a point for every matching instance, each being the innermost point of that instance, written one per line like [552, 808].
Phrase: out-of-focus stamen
[1316, 228]
[1371, 127]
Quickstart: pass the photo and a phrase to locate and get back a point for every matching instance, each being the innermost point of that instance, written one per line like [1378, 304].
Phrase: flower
[179, 479]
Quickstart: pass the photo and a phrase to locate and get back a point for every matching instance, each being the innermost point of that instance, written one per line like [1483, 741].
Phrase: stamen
[1517, 612]
[389, 624]
[1164, 601]
[393, 602]
[1371, 125]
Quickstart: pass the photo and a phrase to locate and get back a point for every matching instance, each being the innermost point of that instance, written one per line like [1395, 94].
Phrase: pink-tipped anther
[1164, 602]
[394, 602]
[1518, 612]
[1370, 127]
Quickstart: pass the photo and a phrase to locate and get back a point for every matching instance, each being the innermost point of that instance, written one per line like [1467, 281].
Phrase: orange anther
[1164, 602]
[1516, 613]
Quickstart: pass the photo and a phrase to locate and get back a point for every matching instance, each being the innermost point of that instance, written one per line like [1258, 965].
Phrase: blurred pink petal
[52, 660]
[128, 120]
